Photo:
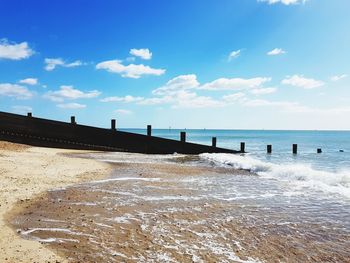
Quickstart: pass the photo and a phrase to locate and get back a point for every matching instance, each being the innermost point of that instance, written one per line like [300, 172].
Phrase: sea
[252, 207]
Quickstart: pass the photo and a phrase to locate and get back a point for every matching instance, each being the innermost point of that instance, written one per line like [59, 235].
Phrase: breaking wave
[302, 175]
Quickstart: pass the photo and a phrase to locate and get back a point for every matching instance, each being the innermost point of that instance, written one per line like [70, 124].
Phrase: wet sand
[25, 173]
[161, 212]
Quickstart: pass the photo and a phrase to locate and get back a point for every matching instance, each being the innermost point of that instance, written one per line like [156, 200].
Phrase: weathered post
[29, 114]
[113, 124]
[243, 147]
[213, 141]
[183, 136]
[319, 150]
[149, 130]
[295, 148]
[72, 120]
[269, 148]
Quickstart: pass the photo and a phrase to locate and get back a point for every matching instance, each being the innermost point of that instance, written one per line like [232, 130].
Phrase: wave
[301, 174]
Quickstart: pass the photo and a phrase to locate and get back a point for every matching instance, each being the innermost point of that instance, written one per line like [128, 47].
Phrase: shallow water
[190, 209]
[331, 142]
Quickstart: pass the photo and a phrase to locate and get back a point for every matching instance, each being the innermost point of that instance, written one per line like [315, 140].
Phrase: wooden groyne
[56, 134]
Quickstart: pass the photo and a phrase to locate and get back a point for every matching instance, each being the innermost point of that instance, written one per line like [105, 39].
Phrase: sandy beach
[25, 173]
[75, 206]
[182, 209]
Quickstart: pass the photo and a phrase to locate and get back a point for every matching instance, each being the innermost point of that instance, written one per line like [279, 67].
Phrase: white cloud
[129, 71]
[295, 107]
[276, 51]
[241, 99]
[126, 99]
[234, 54]
[21, 109]
[234, 97]
[234, 83]
[52, 63]
[143, 53]
[14, 90]
[263, 91]
[179, 92]
[123, 112]
[156, 100]
[285, 2]
[76, 63]
[302, 82]
[14, 51]
[71, 106]
[68, 92]
[185, 99]
[339, 77]
[29, 81]
[181, 82]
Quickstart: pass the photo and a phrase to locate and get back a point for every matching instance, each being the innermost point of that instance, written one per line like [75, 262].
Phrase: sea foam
[301, 175]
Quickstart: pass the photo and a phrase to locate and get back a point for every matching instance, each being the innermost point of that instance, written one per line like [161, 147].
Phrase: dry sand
[26, 172]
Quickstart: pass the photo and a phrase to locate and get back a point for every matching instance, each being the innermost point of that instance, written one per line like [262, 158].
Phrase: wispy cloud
[263, 91]
[181, 92]
[285, 2]
[302, 82]
[71, 106]
[14, 90]
[143, 53]
[129, 71]
[338, 77]
[70, 93]
[276, 52]
[52, 63]
[29, 81]
[182, 82]
[234, 97]
[14, 51]
[123, 112]
[234, 54]
[126, 99]
[235, 83]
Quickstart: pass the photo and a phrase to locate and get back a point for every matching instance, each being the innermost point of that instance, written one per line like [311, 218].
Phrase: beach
[79, 206]
[27, 172]
[179, 208]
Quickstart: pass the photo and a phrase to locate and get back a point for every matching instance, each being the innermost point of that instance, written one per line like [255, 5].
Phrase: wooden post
[72, 120]
[269, 148]
[113, 124]
[295, 148]
[183, 136]
[149, 130]
[213, 141]
[319, 150]
[243, 147]
[29, 114]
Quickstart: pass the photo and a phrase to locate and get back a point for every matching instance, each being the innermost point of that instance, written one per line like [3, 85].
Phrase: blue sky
[233, 64]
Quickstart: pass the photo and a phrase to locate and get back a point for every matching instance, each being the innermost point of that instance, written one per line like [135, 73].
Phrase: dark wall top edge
[132, 135]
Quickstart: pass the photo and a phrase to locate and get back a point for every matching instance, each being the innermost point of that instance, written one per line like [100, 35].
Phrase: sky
[228, 64]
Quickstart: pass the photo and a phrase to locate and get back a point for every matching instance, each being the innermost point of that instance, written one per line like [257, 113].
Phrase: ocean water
[253, 207]
[330, 169]
[331, 143]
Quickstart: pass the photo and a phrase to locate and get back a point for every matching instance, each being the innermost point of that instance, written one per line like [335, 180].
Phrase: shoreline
[28, 172]
[173, 208]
